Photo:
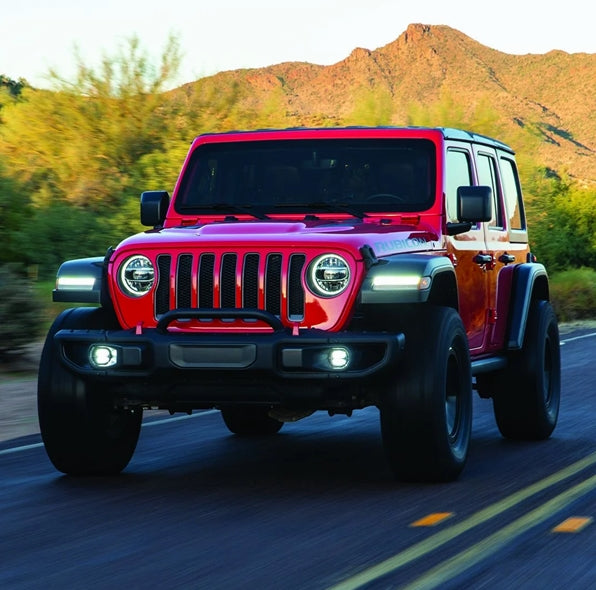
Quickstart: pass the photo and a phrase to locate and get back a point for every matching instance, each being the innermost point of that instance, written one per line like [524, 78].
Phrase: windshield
[350, 175]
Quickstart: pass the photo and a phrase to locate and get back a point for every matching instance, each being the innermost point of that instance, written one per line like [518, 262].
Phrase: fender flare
[530, 281]
[405, 278]
[80, 281]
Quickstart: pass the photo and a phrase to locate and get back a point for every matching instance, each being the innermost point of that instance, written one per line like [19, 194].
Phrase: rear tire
[426, 417]
[83, 434]
[250, 421]
[527, 394]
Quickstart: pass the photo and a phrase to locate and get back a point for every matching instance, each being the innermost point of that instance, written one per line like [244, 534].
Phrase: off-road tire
[426, 416]
[527, 394]
[82, 433]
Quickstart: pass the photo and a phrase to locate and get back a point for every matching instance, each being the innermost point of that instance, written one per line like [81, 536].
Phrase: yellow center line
[574, 524]
[445, 536]
[451, 568]
[432, 519]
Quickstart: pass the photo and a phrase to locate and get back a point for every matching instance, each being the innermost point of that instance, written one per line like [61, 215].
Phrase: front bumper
[291, 362]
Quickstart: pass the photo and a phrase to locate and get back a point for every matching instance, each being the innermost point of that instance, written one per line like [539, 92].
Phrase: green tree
[79, 140]
[373, 106]
[20, 315]
[75, 152]
[15, 212]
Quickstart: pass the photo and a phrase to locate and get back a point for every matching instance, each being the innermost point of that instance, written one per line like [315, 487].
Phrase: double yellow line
[452, 567]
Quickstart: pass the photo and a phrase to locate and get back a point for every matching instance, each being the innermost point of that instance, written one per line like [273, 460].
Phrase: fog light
[338, 358]
[102, 356]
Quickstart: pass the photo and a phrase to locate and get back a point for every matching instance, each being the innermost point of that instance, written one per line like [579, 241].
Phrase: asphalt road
[314, 507]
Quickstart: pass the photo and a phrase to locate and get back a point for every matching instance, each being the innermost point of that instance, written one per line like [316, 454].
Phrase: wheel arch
[530, 282]
[80, 281]
[411, 278]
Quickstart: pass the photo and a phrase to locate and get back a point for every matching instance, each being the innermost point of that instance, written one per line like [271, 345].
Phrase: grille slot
[230, 279]
[295, 291]
[206, 280]
[162, 292]
[184, 281]
[273, 284]
[227, 285]
[250, 282]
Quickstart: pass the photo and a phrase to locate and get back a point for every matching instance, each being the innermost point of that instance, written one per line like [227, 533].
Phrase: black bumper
[158, 359]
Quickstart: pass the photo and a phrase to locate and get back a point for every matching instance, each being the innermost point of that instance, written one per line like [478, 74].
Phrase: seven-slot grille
[231, 280]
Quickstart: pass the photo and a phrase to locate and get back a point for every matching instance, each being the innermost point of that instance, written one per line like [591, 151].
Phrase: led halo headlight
[136, 275]
[328, 275]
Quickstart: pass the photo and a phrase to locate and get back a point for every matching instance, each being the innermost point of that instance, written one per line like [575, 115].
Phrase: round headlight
[137, 275]
[329, 275]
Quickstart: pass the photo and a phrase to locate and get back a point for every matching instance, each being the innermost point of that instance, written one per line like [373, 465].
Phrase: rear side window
[458, 173]
[487, 176]
[513, 195]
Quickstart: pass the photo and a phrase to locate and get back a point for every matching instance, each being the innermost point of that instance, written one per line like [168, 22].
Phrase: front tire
[526, 400]
[426, 416]
[82, 432]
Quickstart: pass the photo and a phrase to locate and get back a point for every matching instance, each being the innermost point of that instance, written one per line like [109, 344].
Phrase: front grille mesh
[232, 280]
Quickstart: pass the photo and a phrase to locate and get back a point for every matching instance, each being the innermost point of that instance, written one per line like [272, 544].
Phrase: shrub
[573, 294]
[21, 321]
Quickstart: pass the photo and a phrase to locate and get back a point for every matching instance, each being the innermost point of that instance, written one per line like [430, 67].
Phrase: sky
[217, 35]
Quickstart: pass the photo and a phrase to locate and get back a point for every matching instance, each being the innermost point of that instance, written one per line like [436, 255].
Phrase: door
[464, 250]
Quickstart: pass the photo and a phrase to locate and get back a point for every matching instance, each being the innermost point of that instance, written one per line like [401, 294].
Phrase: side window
[487, 176]
[458, 173]
[513, 195]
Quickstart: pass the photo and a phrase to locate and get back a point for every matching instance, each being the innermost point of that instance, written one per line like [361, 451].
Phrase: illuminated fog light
[102, 356]
[338, 358]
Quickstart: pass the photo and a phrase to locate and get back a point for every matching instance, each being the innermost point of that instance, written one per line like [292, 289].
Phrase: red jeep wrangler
[312, 269]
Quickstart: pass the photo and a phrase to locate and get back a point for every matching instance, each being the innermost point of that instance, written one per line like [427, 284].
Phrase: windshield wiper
[331, 207]
[228, 207]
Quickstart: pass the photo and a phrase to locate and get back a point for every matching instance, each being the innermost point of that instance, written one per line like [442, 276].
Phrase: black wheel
[527, 394]
[426, 417]
[82, 433]
[250, 421]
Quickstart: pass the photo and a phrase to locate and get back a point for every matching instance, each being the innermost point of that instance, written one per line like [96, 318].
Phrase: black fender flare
[80, 281]
[407, 278]
[530, 281]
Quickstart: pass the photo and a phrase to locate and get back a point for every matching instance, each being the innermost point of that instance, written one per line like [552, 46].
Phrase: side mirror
[474, 203]
[154, 206]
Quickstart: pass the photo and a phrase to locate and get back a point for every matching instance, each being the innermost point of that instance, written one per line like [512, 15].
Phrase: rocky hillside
[552, 96]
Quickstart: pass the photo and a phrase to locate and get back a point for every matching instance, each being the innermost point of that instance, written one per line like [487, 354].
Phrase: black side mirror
[474, 203]
[154, 206]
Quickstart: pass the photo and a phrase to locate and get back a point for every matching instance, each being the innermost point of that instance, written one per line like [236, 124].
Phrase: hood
[384, 237]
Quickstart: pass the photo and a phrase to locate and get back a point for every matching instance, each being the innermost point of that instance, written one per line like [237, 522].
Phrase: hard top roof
[448, 133]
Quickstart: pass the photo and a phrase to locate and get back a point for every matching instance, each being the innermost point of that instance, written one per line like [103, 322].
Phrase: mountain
[551, 96]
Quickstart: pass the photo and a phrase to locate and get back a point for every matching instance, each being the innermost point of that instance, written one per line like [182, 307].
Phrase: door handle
[506, 258]
[483, 258]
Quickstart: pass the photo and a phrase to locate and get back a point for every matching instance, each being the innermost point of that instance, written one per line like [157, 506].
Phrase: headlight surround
[136, 276]
[328, 275]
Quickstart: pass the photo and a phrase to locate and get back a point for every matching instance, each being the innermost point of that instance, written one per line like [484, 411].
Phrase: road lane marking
[439, 539]
[177, 418]
[573, 524]
[449, 569]
[143, 425]
[566, 340]
[19, 449]
[432, 519]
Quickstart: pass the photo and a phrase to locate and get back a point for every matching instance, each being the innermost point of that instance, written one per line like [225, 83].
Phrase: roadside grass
[573, 294]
